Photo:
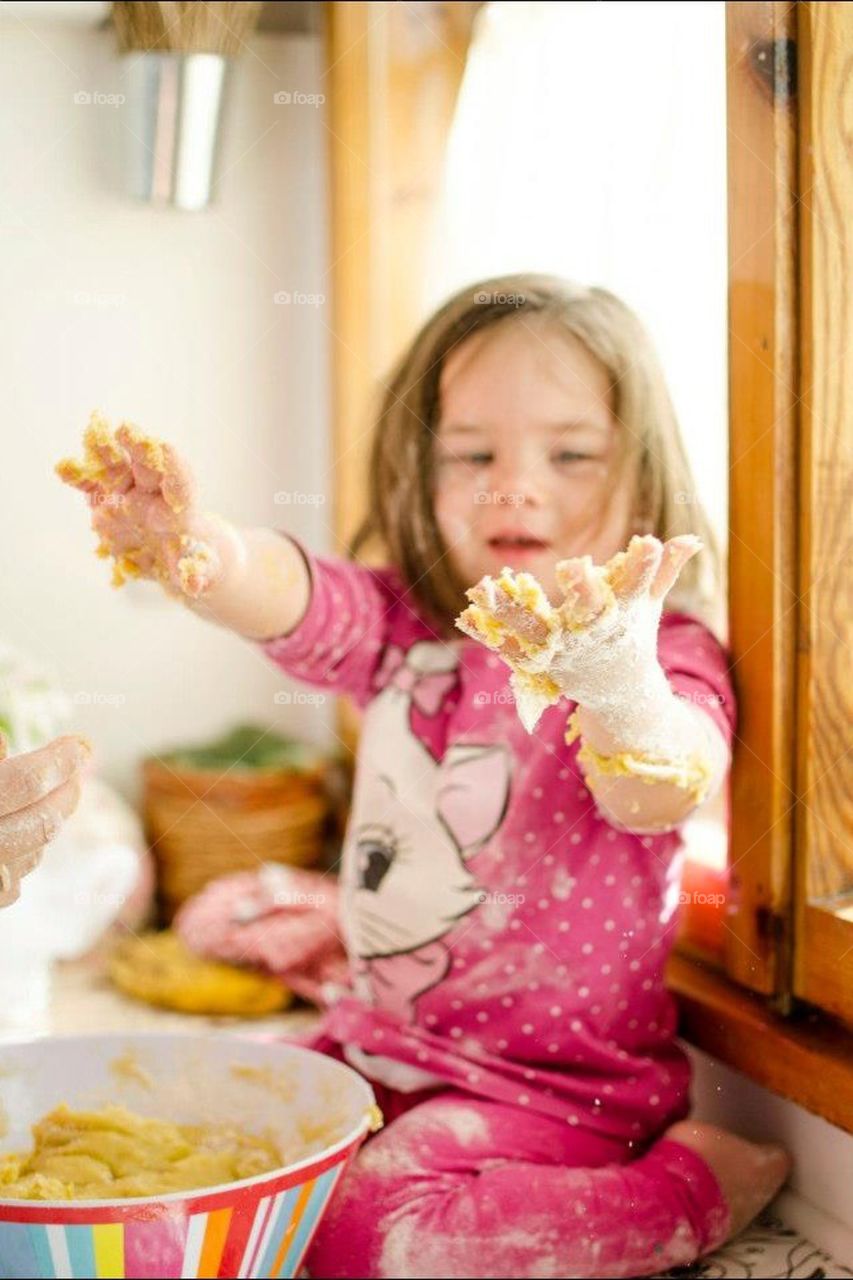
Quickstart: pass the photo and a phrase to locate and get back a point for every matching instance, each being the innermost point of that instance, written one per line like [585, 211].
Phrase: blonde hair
[401, 517]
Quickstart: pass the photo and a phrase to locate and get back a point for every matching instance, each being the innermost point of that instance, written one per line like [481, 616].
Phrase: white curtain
[590, 141]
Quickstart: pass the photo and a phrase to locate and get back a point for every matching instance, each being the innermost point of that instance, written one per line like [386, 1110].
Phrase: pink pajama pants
[456, 1185]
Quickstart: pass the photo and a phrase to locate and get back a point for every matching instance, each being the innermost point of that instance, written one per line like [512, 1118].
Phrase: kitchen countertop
[82, 1000]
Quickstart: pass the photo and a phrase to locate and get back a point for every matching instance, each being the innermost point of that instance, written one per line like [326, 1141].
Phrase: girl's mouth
[517, 544]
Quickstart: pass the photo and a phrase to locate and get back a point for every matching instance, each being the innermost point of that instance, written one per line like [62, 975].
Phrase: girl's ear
[473, 794]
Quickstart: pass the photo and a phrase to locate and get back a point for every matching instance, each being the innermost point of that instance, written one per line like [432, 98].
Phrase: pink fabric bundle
[279, 919]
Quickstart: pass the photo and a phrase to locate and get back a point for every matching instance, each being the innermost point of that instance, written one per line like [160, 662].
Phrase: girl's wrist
[265, 585]
[231, 547]
[652, 735]
[639, 713]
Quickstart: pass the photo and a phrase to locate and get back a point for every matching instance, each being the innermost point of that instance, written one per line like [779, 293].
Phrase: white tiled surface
[822, 1153]
[768, 1248]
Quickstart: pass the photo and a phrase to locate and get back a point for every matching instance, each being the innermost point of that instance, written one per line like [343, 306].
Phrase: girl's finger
[178, 481]
[25, 833]
[583, 590]
[632, 572]
[105, 468]
[114, 464]
[27, 779]
[519, 621]
[158, 469]
[676, 552]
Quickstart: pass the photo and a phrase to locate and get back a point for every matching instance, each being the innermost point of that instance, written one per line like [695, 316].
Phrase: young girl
[510, 888]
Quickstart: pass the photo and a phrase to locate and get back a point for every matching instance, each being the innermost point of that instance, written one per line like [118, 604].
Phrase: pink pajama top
[504, 938]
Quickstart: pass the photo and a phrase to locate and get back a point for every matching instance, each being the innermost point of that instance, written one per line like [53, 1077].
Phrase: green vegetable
[246, 747]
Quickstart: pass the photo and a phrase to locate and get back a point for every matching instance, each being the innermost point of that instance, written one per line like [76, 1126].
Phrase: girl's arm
[324, 620]
[642, 804]
[649, 755]
[264, 590]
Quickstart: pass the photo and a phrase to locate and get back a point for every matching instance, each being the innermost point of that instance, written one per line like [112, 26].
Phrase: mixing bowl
[318, 1110]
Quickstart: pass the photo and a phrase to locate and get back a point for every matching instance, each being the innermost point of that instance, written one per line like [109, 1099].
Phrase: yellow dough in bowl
[159, 969]
[115, 1153]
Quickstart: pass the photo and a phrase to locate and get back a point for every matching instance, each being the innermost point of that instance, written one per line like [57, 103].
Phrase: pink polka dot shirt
[503, 937]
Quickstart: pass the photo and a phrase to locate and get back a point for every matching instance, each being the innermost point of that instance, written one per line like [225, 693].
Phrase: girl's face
[525, 455]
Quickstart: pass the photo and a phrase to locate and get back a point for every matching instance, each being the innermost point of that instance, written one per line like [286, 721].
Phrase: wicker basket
[208, 822]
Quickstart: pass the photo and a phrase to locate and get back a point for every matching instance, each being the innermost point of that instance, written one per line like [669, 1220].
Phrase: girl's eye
[479, 459]
[567, 455]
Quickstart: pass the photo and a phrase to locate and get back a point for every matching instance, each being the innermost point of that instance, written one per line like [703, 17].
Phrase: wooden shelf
[807, 1058]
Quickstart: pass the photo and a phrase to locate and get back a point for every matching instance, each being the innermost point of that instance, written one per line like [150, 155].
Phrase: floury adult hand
[38, 791]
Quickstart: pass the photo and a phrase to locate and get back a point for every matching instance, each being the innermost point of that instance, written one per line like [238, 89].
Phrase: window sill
[808, 1059]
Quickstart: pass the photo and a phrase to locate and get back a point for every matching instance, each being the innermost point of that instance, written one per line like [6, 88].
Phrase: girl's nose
[517, 484]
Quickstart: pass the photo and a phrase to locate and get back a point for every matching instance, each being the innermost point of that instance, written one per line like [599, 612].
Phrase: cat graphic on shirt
[416, 822]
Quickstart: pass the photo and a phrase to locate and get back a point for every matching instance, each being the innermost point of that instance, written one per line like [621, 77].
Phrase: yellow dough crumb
[101, 450]
[479, 620]
[194, 564]
[693, 776]
[115, 1153]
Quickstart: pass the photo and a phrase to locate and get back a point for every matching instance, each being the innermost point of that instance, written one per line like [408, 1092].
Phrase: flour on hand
[598, 648]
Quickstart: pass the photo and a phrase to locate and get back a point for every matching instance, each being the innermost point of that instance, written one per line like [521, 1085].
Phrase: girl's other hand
[600, 640]
[38, 791]
[143, 504]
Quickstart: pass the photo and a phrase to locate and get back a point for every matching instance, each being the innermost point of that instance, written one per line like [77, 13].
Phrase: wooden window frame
[791, 331]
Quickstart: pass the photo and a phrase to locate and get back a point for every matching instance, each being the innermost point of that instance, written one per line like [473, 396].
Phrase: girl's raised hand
[142, 498]
[598, 643]
[38, 791]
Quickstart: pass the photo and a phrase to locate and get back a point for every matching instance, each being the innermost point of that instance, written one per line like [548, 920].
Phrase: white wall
[166, 319]
[823, 1154]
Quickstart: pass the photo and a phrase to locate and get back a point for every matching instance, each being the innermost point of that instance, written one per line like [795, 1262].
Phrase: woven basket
[205, 823]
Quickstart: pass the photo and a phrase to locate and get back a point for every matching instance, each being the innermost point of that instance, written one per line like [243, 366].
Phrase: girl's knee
[375, 1210]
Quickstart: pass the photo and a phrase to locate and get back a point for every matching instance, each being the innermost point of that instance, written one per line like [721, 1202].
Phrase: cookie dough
[115, 1153]
[161, 970]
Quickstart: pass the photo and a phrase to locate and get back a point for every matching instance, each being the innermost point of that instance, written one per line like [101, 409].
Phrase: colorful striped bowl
[260, 1226]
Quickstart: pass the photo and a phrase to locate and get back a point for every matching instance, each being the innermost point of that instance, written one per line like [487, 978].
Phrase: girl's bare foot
[749, 1173]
